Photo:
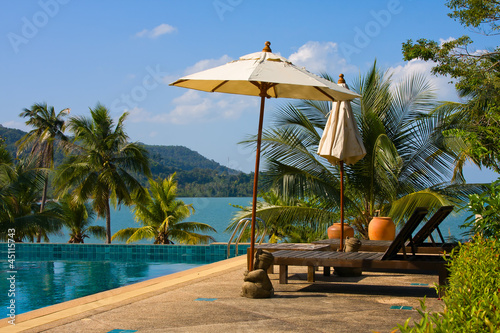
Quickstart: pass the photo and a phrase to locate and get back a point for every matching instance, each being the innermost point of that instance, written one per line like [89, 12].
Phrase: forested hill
[197, 176]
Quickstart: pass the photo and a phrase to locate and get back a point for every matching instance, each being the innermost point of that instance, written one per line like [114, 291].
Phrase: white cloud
[459, 51]
[321, 57]
[444, 90]
[442, 40]
[207, 63]
[138, 115]
[196, 107]
[203, 107]
[156, 32]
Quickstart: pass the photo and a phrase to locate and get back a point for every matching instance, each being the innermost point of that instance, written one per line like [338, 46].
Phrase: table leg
[311, 274]
[283, 274]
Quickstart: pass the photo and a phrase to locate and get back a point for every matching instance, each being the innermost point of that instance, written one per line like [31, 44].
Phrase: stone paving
[207, 299]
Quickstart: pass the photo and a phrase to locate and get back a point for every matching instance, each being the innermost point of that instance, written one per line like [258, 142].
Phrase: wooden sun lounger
[390, 260]
[364, 260]
[272, 247]
[433, 224]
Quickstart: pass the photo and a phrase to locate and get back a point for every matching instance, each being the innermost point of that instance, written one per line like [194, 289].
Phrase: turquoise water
[216, 212]
[46, 274]
[450, 227]
[42, 283]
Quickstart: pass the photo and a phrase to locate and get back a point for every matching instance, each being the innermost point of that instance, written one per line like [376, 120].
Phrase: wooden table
[272, 247]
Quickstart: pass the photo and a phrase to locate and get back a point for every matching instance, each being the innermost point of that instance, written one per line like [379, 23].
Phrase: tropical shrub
[472, 297]
[20, 189]
[487, 206]
[287, 225]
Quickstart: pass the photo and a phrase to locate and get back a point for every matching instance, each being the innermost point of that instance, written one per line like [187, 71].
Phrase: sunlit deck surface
[207, 299]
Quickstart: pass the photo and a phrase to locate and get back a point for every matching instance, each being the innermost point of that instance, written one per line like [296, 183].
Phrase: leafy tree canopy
[475, 123]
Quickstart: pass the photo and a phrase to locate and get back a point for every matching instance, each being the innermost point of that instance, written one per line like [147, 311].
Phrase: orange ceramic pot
[381, 228]
[334, 231]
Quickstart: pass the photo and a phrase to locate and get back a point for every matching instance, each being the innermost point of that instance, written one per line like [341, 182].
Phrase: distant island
[197, 176]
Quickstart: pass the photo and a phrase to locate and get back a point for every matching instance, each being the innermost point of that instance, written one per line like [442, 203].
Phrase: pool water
[42, 283]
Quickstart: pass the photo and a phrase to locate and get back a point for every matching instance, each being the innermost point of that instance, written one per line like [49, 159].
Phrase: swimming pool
[42, 283]
[48, 274]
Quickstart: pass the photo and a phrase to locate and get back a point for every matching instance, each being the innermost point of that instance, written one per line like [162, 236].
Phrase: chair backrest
[405, 233]
[431, 225]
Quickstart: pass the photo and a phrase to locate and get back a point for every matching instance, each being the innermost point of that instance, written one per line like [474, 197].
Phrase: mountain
[10, 136]
[197, 176]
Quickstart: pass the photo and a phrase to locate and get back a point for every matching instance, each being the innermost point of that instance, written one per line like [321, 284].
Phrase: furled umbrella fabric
[264, 74]
[341, 143]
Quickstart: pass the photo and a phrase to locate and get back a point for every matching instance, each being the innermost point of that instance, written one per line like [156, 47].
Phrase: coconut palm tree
[103, 165]
[162, 215]
[407, 164]
[77, 217]
[48, 129]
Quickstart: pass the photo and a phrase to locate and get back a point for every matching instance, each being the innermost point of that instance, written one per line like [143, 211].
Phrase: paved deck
[206, 299]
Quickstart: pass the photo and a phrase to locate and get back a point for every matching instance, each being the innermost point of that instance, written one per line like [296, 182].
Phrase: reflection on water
[43, 283]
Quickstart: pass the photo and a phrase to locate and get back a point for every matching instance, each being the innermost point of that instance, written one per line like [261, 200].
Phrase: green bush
[472, 301]
[487, 205]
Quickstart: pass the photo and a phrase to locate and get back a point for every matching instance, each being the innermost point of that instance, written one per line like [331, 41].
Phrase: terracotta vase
[334, 231]
[381, 228]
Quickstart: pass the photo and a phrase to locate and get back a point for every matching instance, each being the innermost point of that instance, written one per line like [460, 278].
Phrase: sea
[218, 213]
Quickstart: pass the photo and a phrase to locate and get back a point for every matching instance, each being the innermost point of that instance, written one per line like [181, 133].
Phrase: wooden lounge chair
[390, 260]
[432, 224]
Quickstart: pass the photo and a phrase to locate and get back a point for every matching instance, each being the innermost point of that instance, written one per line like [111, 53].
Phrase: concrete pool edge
[115, 297]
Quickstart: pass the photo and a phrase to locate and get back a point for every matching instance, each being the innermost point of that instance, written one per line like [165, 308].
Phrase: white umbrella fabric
[341, 143]
[264, 74]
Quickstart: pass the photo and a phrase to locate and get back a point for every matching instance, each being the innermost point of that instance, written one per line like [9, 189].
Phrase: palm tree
[103, 166]
[20, 207]
[77, 217]
[48, 129]
[407, 164]
[6, 168]
[162, 215]
[290, 224]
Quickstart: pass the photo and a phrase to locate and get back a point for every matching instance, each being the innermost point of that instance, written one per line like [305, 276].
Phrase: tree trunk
[42, 207]
[108, 223]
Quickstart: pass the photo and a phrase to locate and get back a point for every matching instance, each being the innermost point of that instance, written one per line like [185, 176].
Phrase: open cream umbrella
[341, 143]
[264, 74]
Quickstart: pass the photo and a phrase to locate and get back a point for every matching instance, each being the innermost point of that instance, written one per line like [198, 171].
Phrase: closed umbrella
[341, 143]
[264, 74]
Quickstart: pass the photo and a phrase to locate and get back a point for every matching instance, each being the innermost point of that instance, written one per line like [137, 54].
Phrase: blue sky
[123, 54]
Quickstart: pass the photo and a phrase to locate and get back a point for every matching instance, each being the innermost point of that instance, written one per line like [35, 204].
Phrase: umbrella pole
[341, 247]
[255, 183]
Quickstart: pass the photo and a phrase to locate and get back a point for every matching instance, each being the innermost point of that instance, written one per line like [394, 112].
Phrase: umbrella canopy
[341, 143]
[264, 74]
[248, 75]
